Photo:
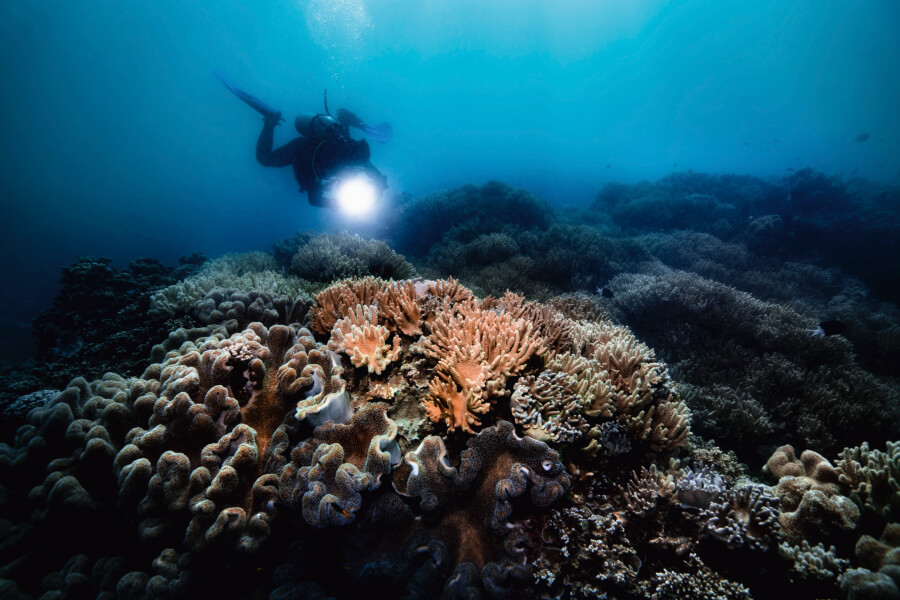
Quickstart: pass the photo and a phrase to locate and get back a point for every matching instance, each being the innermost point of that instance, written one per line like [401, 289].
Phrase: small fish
[604, 292]
[862, 137]
[828, 328]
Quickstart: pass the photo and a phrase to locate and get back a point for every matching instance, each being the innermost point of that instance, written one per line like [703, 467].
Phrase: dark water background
[115, 140]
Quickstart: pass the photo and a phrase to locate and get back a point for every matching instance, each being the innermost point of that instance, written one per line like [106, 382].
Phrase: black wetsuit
[315, 159]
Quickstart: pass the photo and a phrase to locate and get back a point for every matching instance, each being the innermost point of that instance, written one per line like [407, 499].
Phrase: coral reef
[232, 437]
[485, 210]
[98, 322]
[747, 368]
[318, 424]
[327, 257]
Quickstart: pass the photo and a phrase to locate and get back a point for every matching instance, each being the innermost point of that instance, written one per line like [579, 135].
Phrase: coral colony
[326, 424]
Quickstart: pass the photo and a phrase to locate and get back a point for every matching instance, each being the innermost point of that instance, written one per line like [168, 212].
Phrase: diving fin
[267, 111]
[380, 132]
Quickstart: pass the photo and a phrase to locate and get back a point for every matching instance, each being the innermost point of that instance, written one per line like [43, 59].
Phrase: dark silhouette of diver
[324, 149]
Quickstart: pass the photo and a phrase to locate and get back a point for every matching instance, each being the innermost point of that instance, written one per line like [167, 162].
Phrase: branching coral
[333, 303]
[476, 350]
[873, 478]
[590, 551]
[328, 257]
[813, 562]
[398, 306]
[699, 582]
[746, 516]
[548, 407]
[365, 341]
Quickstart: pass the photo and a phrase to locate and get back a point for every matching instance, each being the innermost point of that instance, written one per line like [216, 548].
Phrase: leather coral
[476, 350]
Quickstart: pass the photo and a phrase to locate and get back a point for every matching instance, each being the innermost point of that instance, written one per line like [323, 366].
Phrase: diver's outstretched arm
[267, 157]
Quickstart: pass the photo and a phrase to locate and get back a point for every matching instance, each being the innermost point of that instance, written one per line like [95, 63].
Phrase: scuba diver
[330, 166]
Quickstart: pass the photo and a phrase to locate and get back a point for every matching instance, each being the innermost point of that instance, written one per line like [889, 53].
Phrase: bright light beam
[355, 195]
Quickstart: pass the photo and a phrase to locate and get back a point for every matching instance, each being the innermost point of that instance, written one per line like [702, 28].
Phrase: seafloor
[497, 400]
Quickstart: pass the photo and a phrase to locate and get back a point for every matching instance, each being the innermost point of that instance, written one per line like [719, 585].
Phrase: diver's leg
[280, 157]
[265, 142]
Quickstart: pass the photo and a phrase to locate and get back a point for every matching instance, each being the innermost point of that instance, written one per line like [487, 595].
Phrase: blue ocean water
[723, 178]
[117, 141]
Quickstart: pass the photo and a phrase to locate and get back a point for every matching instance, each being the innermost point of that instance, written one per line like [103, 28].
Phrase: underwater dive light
[354, 193]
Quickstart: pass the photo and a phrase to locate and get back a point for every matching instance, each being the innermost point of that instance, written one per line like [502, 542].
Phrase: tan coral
[617, 376]
[505, 344]
[476, 350]
[449, 290]
[550, 324]
[360, 337]
[399, 309]
[335, 301]
[873, 478]
[455, 407]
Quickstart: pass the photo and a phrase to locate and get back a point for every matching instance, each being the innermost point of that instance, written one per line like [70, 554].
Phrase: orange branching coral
[476, 350]
[549, 323]
[360, 337]
[336, 300]
[450, 290]
[456, 408]
[399, 309]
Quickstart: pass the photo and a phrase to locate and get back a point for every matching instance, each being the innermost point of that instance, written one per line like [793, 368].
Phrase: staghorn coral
[590, 550]
[465, 213]
[699, 582]
[748, 369]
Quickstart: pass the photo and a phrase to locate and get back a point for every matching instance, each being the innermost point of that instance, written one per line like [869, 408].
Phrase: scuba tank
[319, 126]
